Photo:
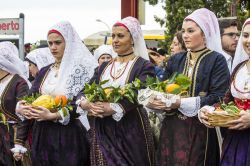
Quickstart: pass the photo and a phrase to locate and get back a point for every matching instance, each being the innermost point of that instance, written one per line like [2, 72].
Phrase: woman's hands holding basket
[242, 123]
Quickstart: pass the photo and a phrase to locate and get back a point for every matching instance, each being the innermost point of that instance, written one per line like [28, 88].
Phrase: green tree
[243, 10]
[177, 10]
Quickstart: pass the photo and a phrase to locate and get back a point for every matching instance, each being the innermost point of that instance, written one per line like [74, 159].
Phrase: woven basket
[220, 118]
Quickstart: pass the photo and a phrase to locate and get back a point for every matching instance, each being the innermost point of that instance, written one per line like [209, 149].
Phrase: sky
[43, 14]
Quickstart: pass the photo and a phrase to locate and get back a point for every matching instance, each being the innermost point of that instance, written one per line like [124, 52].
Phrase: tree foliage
[243, 10]
[177, 10]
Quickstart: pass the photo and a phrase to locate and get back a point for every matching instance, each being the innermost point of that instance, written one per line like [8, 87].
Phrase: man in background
[229, 38]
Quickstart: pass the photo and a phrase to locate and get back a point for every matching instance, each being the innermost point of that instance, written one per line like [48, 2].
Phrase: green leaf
[183, 81]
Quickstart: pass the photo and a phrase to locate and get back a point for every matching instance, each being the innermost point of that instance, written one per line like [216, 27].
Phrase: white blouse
[49, 84]
[242, 83]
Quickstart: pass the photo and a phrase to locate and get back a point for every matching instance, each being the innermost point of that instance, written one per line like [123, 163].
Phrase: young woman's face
[122, 41]
[246, 39]
[56, 45]
[104, 58]
[33, 69]
[175, 46]
[192, 35]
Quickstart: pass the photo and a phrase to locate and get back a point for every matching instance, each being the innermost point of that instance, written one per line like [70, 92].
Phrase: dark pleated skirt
[128, 142]
[236, 148]
[54, 144]
[186, 142]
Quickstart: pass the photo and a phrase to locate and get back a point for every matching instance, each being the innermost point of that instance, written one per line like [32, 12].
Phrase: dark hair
[162, 51]
[178, 35]
[226, 23]
[27, 45]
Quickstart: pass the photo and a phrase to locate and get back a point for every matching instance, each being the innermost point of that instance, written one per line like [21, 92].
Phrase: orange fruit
[61, 100]
[173, 88]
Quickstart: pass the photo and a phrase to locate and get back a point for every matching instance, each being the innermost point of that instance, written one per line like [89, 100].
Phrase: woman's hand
[242, 123]
[105, 107]
[202, 115]
[23, 109]
[157, 104]
[18, 156]
[42, 114]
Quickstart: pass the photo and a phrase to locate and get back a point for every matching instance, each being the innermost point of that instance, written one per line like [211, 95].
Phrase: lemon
[173, 88]
[45, 101]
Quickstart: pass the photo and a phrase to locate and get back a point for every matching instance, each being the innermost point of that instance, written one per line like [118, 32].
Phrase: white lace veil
[208, 22]
[134, 28]
[10, 61]
[104, 49]
[77, 65]
[240, 53]
[41, 57]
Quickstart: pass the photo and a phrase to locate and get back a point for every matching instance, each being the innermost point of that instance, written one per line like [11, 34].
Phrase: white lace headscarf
[10, 61]
[134, 28]
[77, 65]
[104, 49]
[240, 53]
[41, 57]
[208, 23]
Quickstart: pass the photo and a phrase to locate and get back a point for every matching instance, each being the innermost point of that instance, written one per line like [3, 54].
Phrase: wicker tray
[220, 118]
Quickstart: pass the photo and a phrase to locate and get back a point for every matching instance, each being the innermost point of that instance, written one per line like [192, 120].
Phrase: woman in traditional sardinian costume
[13, 85]
[58, 139]
[236, 143]
[183, 139]
[120, 131]
[38, 59]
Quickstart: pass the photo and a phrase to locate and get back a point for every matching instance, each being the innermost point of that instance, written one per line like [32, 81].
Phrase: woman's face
[104, 58]
[33, 69]
[246, 39]
[122, 41]
[175, 46]
[56, 45]
[192, 35]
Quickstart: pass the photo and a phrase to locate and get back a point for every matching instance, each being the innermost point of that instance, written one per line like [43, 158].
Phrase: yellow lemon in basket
[108, 91]
[173, 88]
[45, 101]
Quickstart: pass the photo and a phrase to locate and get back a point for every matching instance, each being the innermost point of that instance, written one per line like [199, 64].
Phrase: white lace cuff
[64, 112]
[190, 106]
[119, 111]
[18, 149]
[19, 115]
[208, 108]
[83, 114]
[168, 99]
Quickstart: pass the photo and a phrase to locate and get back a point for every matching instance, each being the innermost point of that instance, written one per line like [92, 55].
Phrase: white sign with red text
[9, 26]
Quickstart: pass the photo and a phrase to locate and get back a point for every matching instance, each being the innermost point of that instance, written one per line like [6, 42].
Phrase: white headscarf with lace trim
[104, 49]
[134, 28]
[41, 57]
[77, 65]
[10, 61]
[208, 22]
[240, 53]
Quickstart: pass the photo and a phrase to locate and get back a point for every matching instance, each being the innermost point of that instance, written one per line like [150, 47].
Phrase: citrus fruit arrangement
[52, 103]
[97, 92]
[177, 84]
